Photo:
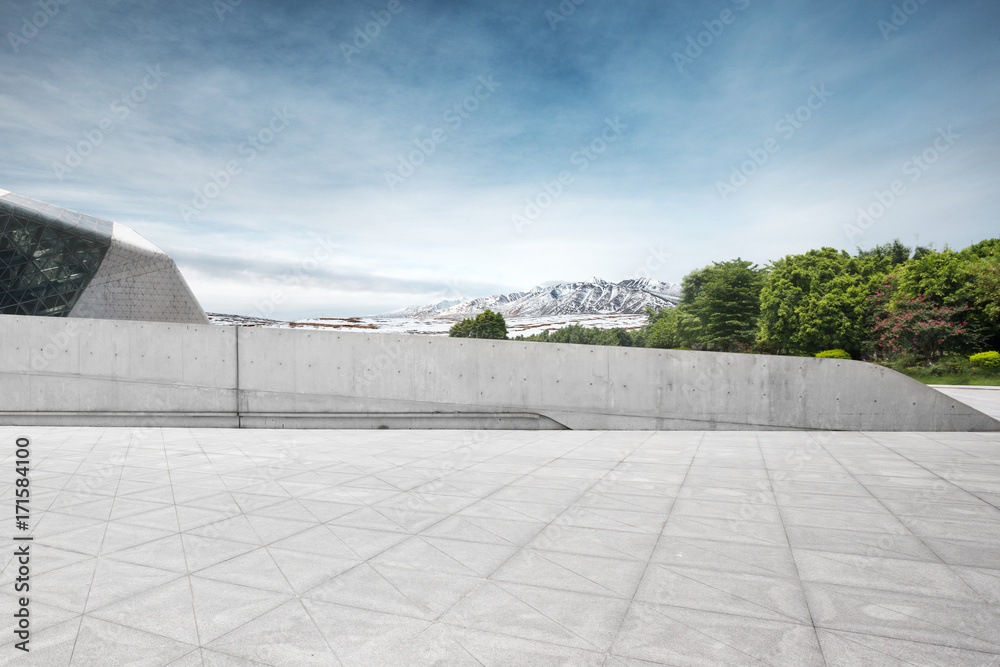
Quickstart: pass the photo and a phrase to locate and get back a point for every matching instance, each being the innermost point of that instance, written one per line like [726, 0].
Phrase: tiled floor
[227, 547]
[984, 399]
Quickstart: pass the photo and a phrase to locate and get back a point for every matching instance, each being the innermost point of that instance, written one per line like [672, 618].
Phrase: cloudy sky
[351, 157]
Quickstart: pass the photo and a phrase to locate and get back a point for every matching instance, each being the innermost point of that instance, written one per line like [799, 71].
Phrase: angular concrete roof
[57, 262]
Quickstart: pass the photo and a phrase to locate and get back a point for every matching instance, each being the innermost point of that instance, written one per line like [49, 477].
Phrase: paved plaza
[245, 547]
[984, 399]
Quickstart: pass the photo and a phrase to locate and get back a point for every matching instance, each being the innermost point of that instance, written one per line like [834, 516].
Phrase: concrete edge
[302, 420]
[978, 387]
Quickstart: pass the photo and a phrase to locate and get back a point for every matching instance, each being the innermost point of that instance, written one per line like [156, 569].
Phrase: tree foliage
[968, 280]
[720, 306]
[662, 331]
[486, 324]
[887, 255]
[818, 301]
[581, 335]
[887, 301]
[916, 326]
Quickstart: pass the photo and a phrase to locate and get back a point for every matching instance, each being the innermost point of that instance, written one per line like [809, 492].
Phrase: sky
[303, 159]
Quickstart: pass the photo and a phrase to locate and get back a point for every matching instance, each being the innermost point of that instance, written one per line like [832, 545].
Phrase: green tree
[966, 281]
[578, 334]
[887, 255]
[662, 332]
[655, 316]
[983, 271]
[984, 249]
[986, 276]
[818, 301]
[486, 324]
[942, 276]
[719, 307]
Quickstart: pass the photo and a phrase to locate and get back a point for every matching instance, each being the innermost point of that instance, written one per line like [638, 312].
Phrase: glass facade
[48, 255]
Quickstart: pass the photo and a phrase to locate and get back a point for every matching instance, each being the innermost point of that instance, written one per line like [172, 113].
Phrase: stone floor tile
[594, 542]
[572, 572]
[678, 636]
[335, 547]
[256, 569]
[98, 639]
[359, 636]
[286, 635]
[747, 595]
[931, 580]
[576, 620]
[972, 626]
[764, 560]
[145, 612]
[861, 542]
[847, 649]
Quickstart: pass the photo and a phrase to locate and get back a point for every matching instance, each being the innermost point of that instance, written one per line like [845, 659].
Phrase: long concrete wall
[57, 371]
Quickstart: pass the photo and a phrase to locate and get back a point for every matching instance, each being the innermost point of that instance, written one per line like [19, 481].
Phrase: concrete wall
[58, 371]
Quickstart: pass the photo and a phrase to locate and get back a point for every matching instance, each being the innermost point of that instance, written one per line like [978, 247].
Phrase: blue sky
[296, 166]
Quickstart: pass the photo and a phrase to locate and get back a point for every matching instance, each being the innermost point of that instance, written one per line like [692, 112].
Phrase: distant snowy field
[435, 326]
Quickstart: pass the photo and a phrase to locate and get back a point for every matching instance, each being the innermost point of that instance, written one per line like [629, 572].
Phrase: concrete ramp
[100, 372]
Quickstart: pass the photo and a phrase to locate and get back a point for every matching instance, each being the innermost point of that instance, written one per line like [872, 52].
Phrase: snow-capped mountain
[595, 296]
[420, 311]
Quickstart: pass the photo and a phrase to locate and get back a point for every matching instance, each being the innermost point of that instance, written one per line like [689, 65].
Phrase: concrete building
[60, 263]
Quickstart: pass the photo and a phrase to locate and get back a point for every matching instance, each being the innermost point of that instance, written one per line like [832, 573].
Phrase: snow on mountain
[421, 311]
[670, 291]
[594, 296]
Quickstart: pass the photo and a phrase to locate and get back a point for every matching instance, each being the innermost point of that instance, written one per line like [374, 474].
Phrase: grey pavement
[984, 399]
[254, 547]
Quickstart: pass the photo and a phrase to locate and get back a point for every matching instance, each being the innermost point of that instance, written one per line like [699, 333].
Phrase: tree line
[884, 303]
[889, 302]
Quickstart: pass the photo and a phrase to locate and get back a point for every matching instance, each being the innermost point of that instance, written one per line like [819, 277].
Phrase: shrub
[484, 325]
[578, 334]
[986, 360]
[833, 354]
[662, 333]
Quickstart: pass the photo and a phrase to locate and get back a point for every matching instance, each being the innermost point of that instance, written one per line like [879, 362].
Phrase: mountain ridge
[588, 297]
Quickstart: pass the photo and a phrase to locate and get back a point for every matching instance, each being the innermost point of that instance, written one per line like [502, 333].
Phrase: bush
[955, 364]
[484, 325]
[578, 334]
[833, 354]
[986, 360]
[662, 333]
